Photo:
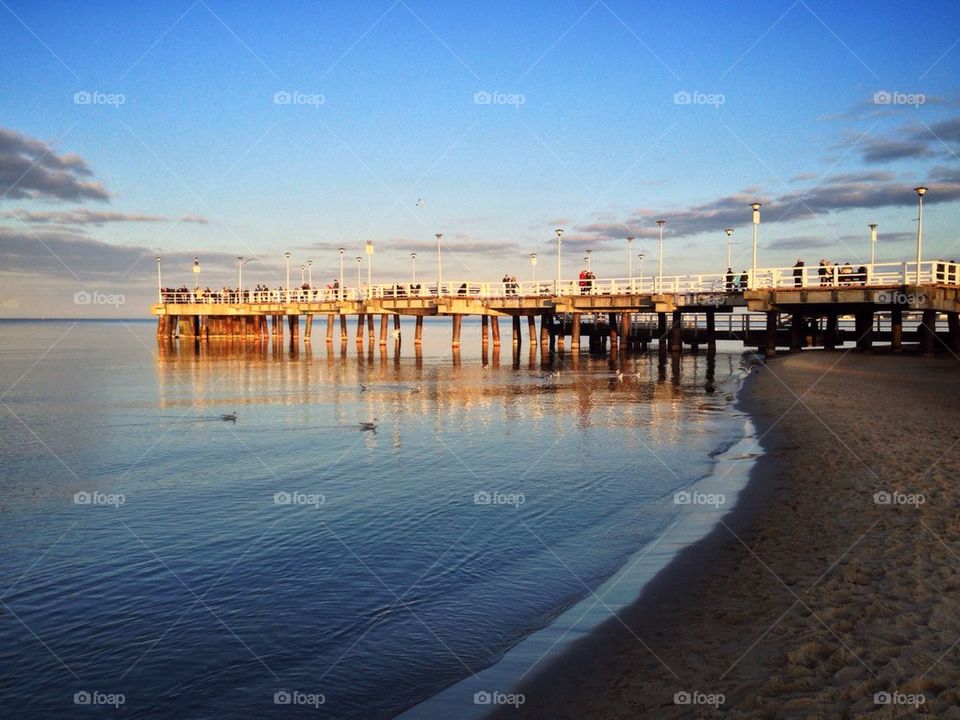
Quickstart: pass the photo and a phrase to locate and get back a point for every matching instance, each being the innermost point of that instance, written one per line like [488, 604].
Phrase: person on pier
[798, 273]
[729, 279]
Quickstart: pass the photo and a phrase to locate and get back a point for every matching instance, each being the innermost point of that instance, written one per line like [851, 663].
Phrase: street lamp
[439, 237]
[287, 256]
[660, 224]
[756, 225]
[196, 270]
[303, 279]
[630, 258]
[533, 270]
[589, 253]
[159, 282]
[340, 286]
[359, 259]
[559, 232]
[920, 191]
[729, 232]
[369, 249]
[239, 275]
[310, 273]
[413, 260]
[640, 257]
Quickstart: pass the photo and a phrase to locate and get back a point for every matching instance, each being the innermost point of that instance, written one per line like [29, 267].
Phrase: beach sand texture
[812, 597]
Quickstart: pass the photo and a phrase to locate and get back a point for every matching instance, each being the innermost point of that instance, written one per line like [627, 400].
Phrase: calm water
[191, 587]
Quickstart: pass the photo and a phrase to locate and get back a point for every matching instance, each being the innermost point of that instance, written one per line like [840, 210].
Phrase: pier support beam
[676, 332]
[896, 330]
[711, 332]
[371, 331]
[484, 330]
[495, 328]
[613, 333]
[517, 332]
[360, 321]
[418, 331]
[532, 329]
[927, 333]
[953, 324]
[624, 332]
[383, 330]
[457, 323]
[545, 331]
[308, 328]
[864, 325]
[661, 329]
[329, 328]
[770, 345]
[294, 322]
[575, 333]
[796, 332]
[830, 335]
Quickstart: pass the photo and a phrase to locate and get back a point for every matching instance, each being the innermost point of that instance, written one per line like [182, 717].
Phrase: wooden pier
[615, 317]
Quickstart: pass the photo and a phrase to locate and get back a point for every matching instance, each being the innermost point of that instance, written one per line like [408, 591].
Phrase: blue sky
[586, 132]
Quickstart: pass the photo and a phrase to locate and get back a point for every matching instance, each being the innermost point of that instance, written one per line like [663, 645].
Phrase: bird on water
[229, 417]
[369, 425]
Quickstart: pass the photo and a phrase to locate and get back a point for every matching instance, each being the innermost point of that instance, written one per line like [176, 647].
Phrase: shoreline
[784, 609]
[558, 639]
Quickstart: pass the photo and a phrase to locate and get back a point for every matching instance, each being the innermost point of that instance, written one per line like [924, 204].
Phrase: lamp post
[533, 271]
[310, 273]
[920, 191]
[159, 282]
[359, 259]
[369, 250]
[660, 224]
[756, 225]
[640, 258]
[439, 237]
[196, 270]
[589, 254]
[303, 278]
[287, 256]
[630, 259]
[413, 261]
[559, 232]
[340, 286]
[240, 275]
[729, 232]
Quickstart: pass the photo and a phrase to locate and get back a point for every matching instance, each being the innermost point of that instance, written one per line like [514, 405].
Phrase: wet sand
[816, 597]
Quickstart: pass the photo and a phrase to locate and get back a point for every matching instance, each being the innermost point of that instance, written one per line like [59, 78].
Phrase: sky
[216, 129]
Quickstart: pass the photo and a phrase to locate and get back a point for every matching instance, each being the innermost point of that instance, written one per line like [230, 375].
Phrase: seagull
[369, 425]
[229, 417]
[363, 388]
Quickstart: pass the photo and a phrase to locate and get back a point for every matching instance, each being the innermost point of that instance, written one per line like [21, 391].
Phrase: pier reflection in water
[313, 591]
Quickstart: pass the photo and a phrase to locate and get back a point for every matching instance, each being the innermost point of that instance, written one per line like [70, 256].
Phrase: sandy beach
[830, 591]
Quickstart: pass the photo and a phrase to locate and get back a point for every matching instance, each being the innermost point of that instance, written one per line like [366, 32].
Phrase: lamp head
[438, 235]
[559, 232]
[661, 223]
[413, 255]
[309, 263]
[341, 250]
[921, 191]
[729, 232]
[630, 238]
[286, 255]
[755, 206]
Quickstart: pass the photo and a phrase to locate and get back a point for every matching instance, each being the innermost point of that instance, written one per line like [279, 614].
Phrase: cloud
[82, 216]
[880, 150]
[32, 169]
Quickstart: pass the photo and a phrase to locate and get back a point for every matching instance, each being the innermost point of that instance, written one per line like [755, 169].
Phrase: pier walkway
[780, 307]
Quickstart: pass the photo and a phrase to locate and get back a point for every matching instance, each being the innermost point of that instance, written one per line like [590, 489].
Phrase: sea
[236, 529]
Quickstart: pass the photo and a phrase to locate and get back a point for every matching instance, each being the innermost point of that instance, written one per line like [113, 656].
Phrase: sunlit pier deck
[780, 307]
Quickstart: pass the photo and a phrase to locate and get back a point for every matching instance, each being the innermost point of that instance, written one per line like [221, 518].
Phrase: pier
[780, 308]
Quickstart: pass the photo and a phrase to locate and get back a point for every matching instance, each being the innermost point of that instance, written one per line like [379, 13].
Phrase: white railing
[808, 277]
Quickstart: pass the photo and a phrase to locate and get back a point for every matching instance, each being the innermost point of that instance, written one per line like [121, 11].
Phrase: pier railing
[810, 276]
